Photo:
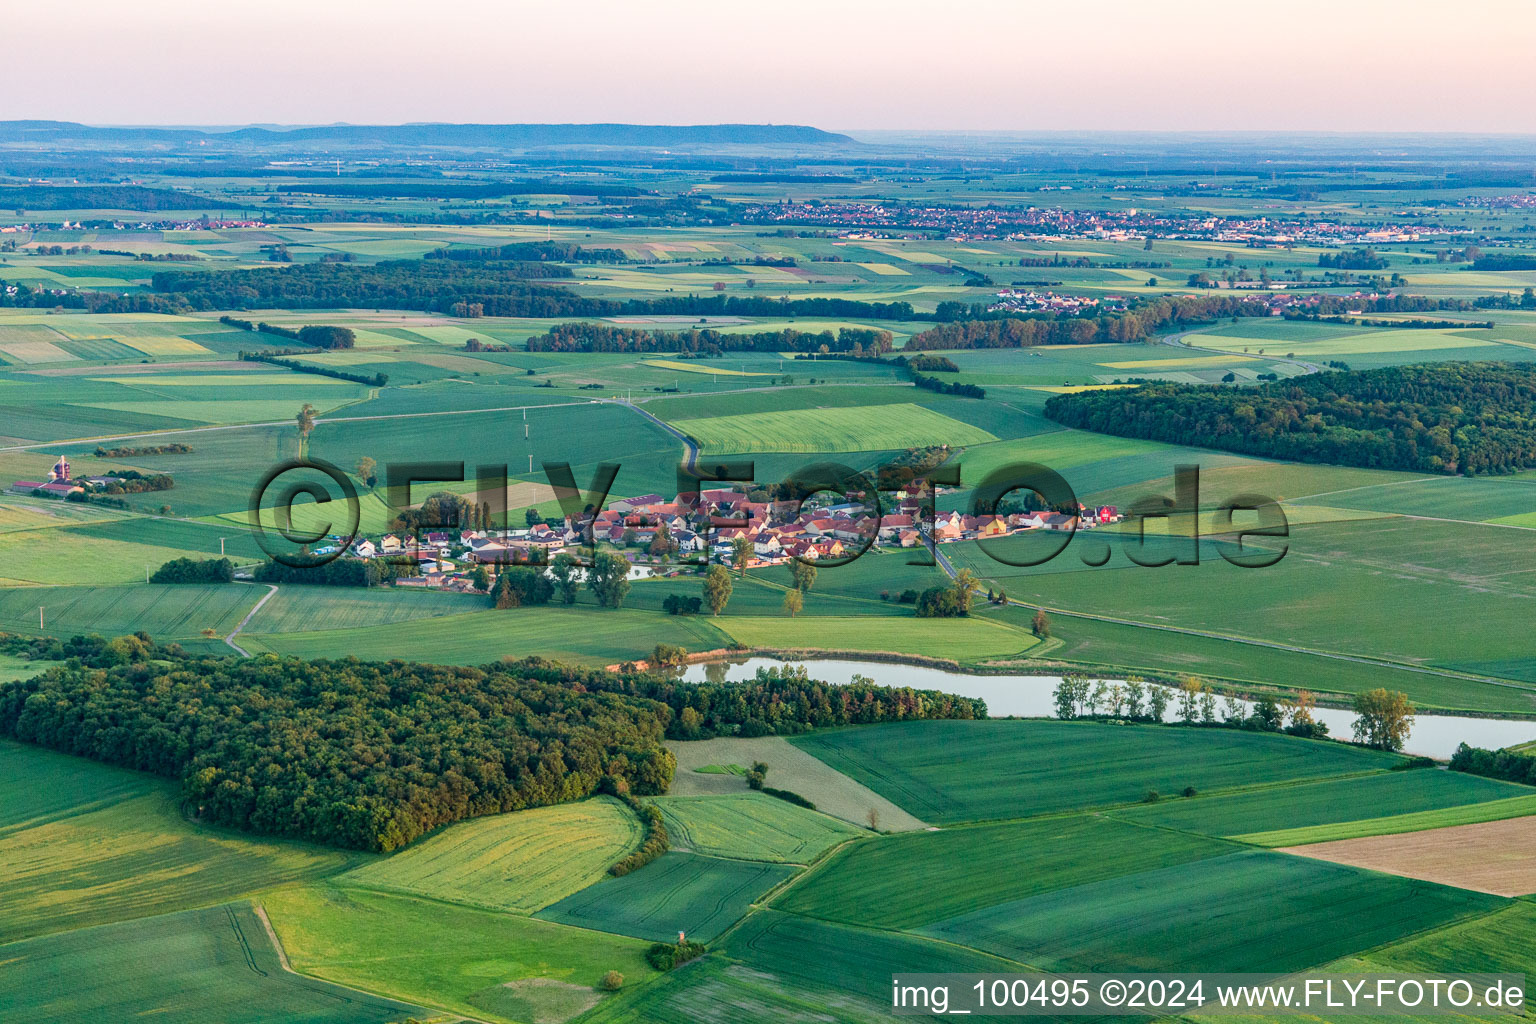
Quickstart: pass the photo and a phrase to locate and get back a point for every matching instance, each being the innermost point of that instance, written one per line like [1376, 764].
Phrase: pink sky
[839, 64]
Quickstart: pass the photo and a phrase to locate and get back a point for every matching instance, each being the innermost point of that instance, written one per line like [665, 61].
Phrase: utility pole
[221, 547]
[39, 618]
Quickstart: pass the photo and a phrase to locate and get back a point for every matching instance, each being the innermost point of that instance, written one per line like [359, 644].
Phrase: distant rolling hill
[497, 136]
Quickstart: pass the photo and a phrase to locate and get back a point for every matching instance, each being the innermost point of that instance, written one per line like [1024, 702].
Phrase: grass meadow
[83, 844]
[518, 862]
[751, 826]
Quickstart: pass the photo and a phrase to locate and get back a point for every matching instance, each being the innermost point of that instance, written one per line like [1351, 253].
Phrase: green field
[837, 429]
[498, 967]
[299, 609]
[968, 869]
[1380, 588]
[751, 826]
[582, 635]
[165, 611]
[188, 968]
[1015, 769]
[1419, 821]
[685, 892]
[1329, 803]
[967, 639]
[1247, 911]
[781, 967]
[84, 844]
[519, 862]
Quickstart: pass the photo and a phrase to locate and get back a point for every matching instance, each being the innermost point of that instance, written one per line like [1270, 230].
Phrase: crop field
[186, 968]
[297, 609]
[498, 967]
[971, 638]
[1377, 588]
[751, 827]
[1245, 911]
[968, 869]
[1395, 824]
[1502, 941]
[790, 768]
[1490, 856]
[166, 611]
[858, 429]
[1014, 769]
[1330, 802]
[581, 635]
[684, 892]
[84, 844]
[519, 862]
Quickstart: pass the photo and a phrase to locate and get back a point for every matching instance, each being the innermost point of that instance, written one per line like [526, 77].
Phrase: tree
[533, 517]
[1041, 624]
[1135, 693]
[794, 601]
[480, 579]
[367, 470]
[717, 589]
[803, 574]
[668, 656]
[563, 569]
[873, 817]
[306, 421]
[1189, 697]
[741, 554]
[612, 981]
[662, 544]
[1385, 719]
[608, 579]
[966, 586]
[1157, 703]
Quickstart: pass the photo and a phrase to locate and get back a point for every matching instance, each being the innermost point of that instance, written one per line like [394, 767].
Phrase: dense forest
[590, 337]
[103, 197]
[1442, 418]
[347, 753]
[372, 755]
[530, 252]
[780, 701]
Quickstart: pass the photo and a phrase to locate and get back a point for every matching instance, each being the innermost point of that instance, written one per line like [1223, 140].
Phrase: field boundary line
[282, 958]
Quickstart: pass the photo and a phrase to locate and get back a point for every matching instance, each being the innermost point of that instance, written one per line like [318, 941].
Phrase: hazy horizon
[892, 66]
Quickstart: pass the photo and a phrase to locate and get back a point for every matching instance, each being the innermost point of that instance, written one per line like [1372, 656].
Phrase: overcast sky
[839, 64]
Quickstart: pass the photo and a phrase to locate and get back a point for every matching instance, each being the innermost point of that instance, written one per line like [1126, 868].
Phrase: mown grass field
[187, 968]
[84, 844]
[1015, 769]
[965, 639]
[519, 862]
[838, 429]
[458, 958]
[583, 636]
[751, 826]
[1334, 803]
[676, 892]
[1247, 911]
